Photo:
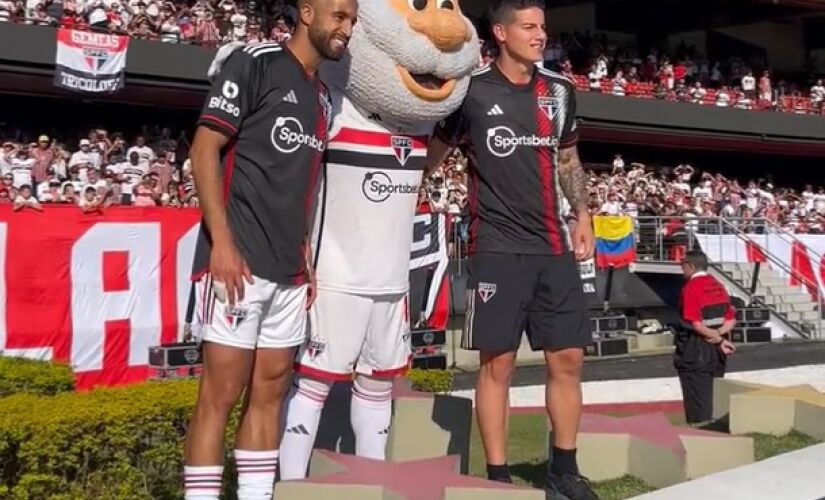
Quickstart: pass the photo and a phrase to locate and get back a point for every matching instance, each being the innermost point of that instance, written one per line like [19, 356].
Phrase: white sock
[256, 473]
[303, 414]
[202, 482]
[370, 413]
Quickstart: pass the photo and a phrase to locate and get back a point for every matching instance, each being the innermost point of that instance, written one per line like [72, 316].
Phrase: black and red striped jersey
[705, 299]
[511, 135]
[277, 119]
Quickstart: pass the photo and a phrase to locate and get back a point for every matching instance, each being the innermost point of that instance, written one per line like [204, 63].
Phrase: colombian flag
[615, 245]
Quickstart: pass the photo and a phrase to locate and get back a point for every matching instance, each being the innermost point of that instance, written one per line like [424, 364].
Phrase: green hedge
[19, 375]
[431, 380]
[110, 443]
[115, 444]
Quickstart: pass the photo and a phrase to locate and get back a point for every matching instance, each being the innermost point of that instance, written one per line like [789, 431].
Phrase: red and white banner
[90, 62]
[803, 255]
[429, 264]
[96, 291]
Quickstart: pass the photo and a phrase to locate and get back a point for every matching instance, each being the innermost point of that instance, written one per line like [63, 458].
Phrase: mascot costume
[408, 66]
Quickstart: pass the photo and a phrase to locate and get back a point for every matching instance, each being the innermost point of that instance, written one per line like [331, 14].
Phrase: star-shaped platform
[424, 425]
[427, 425]
[648, 446]
[355, 478]
[778, 410]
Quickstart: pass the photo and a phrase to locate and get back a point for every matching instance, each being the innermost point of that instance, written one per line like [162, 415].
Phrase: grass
[527, 452]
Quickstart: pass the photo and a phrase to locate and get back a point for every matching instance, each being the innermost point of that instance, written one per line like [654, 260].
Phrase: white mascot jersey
[382, 121]
[364, 219]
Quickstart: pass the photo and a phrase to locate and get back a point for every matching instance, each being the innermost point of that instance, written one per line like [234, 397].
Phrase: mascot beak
[441, 22]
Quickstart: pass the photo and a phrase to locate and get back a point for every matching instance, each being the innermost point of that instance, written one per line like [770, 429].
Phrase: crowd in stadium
[152, 170]
[96, 172]
[202, 22]
[594, 62]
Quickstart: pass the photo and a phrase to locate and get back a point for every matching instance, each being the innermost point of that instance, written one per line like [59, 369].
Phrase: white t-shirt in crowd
[238, 21]
[808, 196]
[681, 186]
[145, 153]
[132, 173]
[817, 93]
[21, 169]
[819, 203]
[702, 192]
[79, 157]
[31, 201]
[611, 208]
[722, 99]
[748, 83]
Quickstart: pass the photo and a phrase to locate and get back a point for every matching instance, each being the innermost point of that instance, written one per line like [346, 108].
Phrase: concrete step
[799, 316]
[800, 307]
[788, 298]
[736, 266]
[771, 281]
[746, 277]
[773, 291]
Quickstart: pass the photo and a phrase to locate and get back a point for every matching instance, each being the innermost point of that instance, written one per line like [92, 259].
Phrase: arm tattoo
[572, 178]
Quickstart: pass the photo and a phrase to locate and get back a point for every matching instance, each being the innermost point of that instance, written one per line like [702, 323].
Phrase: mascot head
[409, 60]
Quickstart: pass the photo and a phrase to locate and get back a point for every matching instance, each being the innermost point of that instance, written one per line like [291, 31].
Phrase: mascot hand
[220, 57]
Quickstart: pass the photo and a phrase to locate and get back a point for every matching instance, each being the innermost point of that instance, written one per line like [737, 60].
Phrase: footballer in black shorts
[517, 128]
[522, 273]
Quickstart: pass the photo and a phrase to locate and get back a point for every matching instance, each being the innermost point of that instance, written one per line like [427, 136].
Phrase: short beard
[320, 40]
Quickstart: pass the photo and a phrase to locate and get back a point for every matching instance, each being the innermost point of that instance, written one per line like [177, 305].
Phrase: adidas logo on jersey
[290, 97]
[495, 111]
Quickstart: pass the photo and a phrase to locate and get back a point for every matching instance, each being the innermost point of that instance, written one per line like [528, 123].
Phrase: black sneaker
[569, 487]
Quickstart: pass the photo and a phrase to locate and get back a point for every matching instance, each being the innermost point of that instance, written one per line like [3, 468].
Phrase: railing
[664, 239]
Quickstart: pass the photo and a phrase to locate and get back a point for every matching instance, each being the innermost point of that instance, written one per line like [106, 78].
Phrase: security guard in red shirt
[702, 346]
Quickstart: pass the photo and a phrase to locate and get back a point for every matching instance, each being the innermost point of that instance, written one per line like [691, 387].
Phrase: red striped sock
[202, 482]
[256, 473]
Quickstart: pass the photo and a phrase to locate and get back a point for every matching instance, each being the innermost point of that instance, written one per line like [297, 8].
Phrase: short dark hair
[501, 11]
[697, 259]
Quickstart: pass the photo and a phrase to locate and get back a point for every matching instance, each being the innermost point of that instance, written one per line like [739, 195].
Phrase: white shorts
[366, 334]
[271, 315]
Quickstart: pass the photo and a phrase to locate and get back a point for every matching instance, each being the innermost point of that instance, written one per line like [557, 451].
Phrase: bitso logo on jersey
[402, 148]
[230, 89]
[288, 135]
[502, 141]
[378, 187]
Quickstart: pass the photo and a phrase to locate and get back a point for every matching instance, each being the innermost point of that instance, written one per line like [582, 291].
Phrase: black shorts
[509, 294]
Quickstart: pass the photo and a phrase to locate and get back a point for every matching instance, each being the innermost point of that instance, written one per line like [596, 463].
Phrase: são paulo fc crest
[402, 148]
[236, 315]
[315, 347]
[486, 291]
[548, 105]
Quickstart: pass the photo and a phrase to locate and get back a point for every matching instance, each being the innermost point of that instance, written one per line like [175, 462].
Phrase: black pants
[697, 395]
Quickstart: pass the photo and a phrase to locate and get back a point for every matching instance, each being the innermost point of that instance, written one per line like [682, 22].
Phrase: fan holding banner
[92, 63]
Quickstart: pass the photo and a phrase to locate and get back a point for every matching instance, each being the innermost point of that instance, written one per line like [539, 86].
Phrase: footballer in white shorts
[270, 316]
[366, 334]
